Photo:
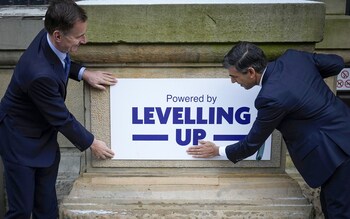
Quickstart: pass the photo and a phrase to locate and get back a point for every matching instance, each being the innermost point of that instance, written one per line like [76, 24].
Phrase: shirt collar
[59, 54]
[261, 79]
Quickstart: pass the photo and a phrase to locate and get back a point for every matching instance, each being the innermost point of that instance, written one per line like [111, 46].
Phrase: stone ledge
[172, 53]
[262, 21]
[237, 196]
[15, 20]
[335, 6]
[336, 33]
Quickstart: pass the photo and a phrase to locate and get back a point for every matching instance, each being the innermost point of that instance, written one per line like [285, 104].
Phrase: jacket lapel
[56, 65]
[270, 68]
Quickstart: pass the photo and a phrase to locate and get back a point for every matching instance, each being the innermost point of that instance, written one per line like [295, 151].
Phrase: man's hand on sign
[100, 150]
[99, 79]
[205, 149]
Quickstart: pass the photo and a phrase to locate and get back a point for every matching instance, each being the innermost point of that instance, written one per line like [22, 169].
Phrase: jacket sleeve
[74, 71]
[269, 116]
[44, 92]
[328, 64]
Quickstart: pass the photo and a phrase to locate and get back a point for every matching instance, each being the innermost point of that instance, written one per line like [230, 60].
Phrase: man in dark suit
[33, 111]
[295, 100]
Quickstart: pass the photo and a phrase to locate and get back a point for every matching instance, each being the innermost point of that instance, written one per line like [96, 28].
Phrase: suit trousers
[335, 193]
[31, 191]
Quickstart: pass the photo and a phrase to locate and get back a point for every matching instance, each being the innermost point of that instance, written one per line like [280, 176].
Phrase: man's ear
[251, 72]
[57, 36]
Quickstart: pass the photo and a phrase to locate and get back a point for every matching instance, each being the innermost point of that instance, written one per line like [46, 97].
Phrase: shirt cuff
[81, 72]
[222, 151]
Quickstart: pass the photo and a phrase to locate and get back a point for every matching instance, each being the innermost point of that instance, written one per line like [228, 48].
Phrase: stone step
[234, 196]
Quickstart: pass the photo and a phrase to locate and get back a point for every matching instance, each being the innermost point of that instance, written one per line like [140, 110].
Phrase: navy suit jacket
[314, 123]
[32, 110]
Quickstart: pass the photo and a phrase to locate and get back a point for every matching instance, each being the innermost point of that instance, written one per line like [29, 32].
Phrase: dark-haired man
[295, 100]
[33, 111]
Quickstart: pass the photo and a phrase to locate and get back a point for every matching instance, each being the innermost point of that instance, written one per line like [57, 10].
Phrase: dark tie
[67, 66]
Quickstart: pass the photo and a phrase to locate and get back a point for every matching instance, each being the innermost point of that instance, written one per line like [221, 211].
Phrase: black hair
[244, 55]
[62, 15]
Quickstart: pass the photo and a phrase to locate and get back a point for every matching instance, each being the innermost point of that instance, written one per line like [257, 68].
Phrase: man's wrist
[81, 73]
[222, 151]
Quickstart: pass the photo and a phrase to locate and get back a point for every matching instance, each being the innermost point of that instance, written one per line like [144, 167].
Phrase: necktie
[67, 66]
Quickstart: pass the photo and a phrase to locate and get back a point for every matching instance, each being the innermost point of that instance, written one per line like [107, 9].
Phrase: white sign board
[158, 119]
[343, 79]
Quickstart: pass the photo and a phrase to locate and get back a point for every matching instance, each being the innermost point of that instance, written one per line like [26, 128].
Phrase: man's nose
[83, 40]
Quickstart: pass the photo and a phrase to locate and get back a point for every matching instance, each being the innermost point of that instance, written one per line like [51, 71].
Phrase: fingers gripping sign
[100, 150]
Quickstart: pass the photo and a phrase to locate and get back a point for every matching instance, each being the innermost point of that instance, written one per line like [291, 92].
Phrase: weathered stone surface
[129, 54]
[335, 6]
[13, 38]
[198, 23]
[337, 36]
[228, 196]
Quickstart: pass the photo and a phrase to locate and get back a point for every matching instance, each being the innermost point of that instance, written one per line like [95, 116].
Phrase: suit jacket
[314, 123]
[32, 110]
